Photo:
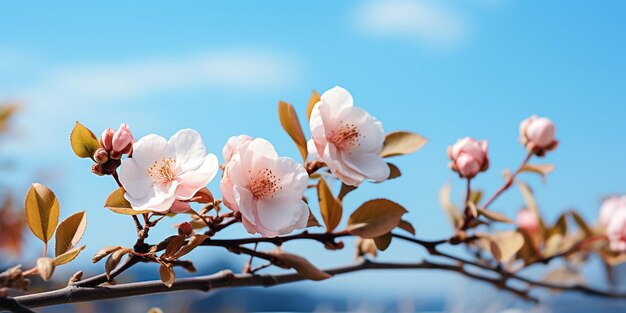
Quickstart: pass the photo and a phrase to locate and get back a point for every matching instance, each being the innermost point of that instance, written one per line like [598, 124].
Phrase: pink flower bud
[609, 207]
[123, 140]
[537, 134]
[528, 221]
[185, 229]
[101, 156]
[106, 139]
[97, 169]
[616, 231]
[469, 157]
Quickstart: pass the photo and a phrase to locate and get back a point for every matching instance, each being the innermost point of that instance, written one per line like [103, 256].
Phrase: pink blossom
[106, 139]
[469, 157]
[123, 140]
[528, 221]
[162, 174]
[347, 139]
[616, 231]
[231, 146]
[265, 189]
[609, 207]
[537, 134]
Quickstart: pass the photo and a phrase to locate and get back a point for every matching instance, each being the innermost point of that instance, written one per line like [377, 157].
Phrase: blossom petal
[188, 148]
[258, 155]
[135, 180]
[246, 203]
[159, 198]
[194, 180]
[371, 165]
[149, 149]
[338, 99]
[279, 213]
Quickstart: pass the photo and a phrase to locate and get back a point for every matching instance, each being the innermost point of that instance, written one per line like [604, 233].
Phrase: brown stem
[508, 182]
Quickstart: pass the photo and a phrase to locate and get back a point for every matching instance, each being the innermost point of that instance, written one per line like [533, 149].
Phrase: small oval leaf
[193, 242]
[69, 232]
[330, 207]
[118, 204]
[375, 218]
[401, 143]
[84, 142]
[114, 259]
[42, 211]
[383, 242]
[291, 125]
[104, 252]
[68, 256]
[301, 265]
[167, 275]
[315, 98]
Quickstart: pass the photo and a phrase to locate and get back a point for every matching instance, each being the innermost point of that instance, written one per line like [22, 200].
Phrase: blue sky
[444, 69]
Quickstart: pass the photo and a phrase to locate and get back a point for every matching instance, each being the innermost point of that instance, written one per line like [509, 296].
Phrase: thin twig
[508, 182]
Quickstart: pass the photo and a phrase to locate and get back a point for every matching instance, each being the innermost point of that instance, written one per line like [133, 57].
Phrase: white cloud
[116, 81]
[427, 22]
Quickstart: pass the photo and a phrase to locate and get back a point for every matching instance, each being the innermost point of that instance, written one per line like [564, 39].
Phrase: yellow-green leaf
[193, 242]
[330, 207]
[42, 211]
[104, 252]
[315, 98]
[451, 210]
[503, 245]
[542, 169]
[84, 142]
[118, 204]
[291, 125]
[401, 142]
[114, 259]
[70, 232]
[167, 275]
[68, 256]
[383, 242]
[304, 268]
[45, 267]
[375, 218]
[495, 216]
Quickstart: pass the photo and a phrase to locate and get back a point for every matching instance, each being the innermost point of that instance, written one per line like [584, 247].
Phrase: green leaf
[315, 98]
[383, 242]
[304, 268]
[329, 206]
[84, 142]
[68, 256]
[69, 232]
[375, 218]
[291, 125]
[401, 143]
[118, 204]
[42, 211]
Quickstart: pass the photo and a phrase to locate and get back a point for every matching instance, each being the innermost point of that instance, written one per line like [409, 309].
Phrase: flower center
[344, 137]
[264, 184]
[163, 171]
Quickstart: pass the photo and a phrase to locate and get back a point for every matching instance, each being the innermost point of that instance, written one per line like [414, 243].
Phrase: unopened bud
[106, 139]
[101, 156]
[538, 135]
[97, 169]
[185, 229]
[469, 157]
[123, 140]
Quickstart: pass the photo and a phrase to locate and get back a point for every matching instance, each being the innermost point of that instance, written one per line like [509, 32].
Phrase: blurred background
[445, 69]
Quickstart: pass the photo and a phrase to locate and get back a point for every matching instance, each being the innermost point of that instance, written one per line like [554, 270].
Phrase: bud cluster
[113, 145]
